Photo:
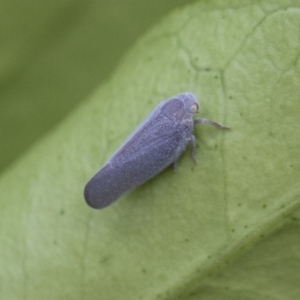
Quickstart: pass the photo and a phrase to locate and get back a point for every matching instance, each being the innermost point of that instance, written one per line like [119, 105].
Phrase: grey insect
[154, 145]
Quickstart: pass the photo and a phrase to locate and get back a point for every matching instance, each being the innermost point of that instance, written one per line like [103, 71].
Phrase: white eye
[194, 108]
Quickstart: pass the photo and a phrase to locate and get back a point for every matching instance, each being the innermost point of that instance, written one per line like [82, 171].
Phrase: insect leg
[174, 165]
[209, 122]
[193, 149]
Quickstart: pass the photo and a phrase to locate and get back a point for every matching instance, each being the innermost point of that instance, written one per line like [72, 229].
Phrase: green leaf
[226, 228]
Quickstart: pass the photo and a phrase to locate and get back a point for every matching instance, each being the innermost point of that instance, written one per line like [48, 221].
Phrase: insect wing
[137, 161]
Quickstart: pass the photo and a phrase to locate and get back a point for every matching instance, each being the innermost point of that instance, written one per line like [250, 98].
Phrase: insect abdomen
[110, 182]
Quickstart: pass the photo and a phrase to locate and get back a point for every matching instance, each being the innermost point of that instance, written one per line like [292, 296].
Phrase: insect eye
[194, 108]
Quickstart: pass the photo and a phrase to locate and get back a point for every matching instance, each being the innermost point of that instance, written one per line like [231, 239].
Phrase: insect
[154, 145]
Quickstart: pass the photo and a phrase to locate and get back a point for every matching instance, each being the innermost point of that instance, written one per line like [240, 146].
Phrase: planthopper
[156, 143]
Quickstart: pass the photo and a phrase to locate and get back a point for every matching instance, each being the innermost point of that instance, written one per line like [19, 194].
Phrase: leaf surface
[226, 228]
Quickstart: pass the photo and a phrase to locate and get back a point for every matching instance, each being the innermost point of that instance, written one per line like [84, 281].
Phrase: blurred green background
[55, 53]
